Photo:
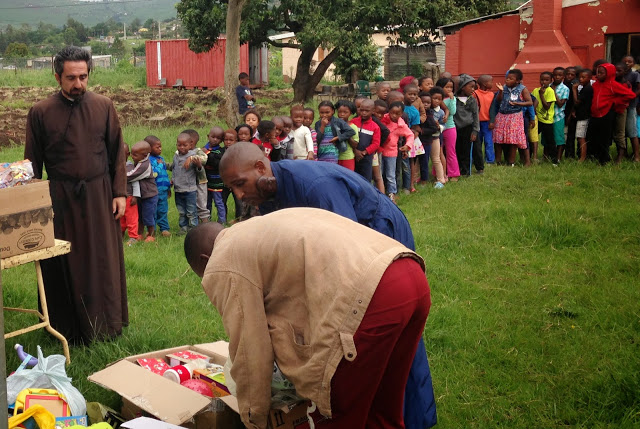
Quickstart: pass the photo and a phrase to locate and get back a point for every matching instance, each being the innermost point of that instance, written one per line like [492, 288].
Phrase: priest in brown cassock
[76, 136]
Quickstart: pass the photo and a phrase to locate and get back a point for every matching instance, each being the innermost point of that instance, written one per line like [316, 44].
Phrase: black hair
[587, 71]
[239, 127]
[347, 103]
[310, 109]
[193, 133]
[380, 103]
[422, 79]
[410, 86]
[516, 72]
[597, 64]
[71, 53]
[151, 139]
[548, 73]
[397, 104]
[436, 90]
[265, 126]
[326, 103]
[242, 75]
[571, 67]
[443, 81]
[562, 69]
[251, 112]
[424, 94]
[358, 97]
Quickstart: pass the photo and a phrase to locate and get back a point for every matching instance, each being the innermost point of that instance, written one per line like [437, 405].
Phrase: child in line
[411, 116]
[425, 84]
[571, 75]
[582, 98]
[484, 96]
[162, 182]
[231, 138]
[333, 133]
[620, 122]
[467, 127]
[129, 222]
[184, 183]
[380, 108]
[252, 118]
[562, 96]
[266, 138]
[302, 144]
[398, 128]
[411, 99]
[437, 101]
[509, 133]
[449, 135]
[382, 90]
[345, 109]
[283, 143]
[246, 99]
[245, 133]
[142, 172]
[309, 115]
[633, 80]
[368, 139]
[287, 127]
[204, 214]
[214, 152]
[545, 108]
[430, 138]
[606, 94]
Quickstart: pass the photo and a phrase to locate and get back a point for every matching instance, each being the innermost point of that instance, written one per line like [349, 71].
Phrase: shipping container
[170, 63]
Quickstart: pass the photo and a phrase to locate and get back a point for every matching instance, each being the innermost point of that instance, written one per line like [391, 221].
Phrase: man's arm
[241, 305]
[33, 150]
[113, 140]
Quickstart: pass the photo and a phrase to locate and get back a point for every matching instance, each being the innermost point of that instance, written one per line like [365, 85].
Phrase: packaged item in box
[185, 356]
[157, 366]
[15, 173]
[215, 380]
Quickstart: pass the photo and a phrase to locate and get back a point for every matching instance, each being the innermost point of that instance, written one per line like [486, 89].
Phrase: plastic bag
[49, 373]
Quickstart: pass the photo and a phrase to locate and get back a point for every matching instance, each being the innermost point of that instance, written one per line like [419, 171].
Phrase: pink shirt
[396, 130]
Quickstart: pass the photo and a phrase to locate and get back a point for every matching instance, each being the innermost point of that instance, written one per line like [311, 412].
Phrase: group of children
[396, 140]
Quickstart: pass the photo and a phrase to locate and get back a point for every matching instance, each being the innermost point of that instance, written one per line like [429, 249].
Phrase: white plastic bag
[49, 373]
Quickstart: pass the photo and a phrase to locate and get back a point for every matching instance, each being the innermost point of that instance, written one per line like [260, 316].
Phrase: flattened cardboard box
[146, 393]
[26, 219]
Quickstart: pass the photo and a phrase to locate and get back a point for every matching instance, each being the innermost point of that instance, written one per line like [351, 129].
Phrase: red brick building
[541, 35]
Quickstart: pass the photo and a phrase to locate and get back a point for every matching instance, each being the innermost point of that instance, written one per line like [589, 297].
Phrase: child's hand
[134, 201]
[359, 154]
[446, 116]
[197, 162]
[334, 140]
[310, 156]
[187, 163]
[500, 87]
[491, 125]
[474, 136]
[532, 124]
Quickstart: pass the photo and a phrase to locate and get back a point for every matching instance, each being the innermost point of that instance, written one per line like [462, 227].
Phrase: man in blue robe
[272, 186]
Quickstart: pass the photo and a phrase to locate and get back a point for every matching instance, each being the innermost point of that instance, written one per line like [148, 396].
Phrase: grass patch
[124, 76]
[534, 277]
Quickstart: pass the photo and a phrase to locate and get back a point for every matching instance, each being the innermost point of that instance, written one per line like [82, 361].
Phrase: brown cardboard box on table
[147, 394]
[26, 218]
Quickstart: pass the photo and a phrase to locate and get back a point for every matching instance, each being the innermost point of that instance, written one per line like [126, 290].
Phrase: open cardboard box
[147, 394]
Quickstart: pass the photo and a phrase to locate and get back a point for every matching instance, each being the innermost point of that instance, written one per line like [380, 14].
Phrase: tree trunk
[232, 60]
[305, 83]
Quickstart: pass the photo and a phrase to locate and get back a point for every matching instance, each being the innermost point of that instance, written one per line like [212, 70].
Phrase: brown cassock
[80, 144]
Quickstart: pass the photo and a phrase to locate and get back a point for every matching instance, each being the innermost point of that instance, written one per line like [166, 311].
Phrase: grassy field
[119, 76]
[534, 274]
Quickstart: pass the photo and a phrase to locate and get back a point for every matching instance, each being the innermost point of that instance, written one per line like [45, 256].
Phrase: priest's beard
[75, 93]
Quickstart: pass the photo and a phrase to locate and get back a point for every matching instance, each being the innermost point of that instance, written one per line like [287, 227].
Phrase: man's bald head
[445, 75]
[241, 154]
[198, 245]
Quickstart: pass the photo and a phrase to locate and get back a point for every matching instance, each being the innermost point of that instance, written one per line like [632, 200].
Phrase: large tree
[337, 25]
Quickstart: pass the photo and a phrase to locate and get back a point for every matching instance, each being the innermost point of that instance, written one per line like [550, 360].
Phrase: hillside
[88, 12]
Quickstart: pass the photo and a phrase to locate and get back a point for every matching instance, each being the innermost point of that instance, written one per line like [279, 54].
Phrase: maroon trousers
[369, 392]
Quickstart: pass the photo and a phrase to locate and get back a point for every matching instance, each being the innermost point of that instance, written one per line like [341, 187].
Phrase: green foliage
[134, 25]
[99, 48]
[70, 37]
[276, 79]
[79, 30]
[121, 76]
[16, 50]
[204, 20]
[364, 60]
[139, 50]
[117, 48]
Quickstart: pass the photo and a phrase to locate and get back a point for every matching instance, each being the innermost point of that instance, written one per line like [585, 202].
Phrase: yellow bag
[44, 419]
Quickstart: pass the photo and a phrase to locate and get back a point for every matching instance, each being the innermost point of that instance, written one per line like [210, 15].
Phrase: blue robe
[332, 187]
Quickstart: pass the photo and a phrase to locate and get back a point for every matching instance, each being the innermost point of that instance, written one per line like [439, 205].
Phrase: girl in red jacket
[607, 96]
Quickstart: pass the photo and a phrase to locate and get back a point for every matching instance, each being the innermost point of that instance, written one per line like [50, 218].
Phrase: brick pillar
[546, 46]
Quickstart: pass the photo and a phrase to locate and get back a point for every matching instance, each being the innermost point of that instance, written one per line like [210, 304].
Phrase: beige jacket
[294, 291]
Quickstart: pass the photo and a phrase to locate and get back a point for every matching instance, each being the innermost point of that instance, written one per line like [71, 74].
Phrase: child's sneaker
[166, 233]
[392, 197]
[203, 220]
[183, 231]
[150, 239]
[438, 185]
[131, 242]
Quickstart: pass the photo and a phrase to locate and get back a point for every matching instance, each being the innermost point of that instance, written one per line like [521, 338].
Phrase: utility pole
[159, 35]
[124, 26]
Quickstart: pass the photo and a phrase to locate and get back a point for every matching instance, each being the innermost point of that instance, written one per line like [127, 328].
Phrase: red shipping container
[169, 61]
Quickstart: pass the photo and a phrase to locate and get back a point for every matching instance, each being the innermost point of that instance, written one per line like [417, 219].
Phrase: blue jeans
[187, 209]
[486, 135]
[162, 218]
[221, 208]
[406, 173]
[389, 174]
[147, 208]
[424, 162]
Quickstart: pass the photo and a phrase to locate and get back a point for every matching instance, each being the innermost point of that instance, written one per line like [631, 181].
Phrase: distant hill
[88, 12]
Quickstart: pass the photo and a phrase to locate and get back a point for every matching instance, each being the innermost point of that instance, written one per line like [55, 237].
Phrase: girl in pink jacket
[397, 129]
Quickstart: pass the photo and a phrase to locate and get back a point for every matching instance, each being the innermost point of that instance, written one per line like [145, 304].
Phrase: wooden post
[3, 366]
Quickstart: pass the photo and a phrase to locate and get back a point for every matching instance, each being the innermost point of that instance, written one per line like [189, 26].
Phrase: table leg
[45, 313]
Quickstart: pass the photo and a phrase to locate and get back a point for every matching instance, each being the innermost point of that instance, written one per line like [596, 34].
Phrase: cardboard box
[214, 380]
[26, 219]
[145, 394]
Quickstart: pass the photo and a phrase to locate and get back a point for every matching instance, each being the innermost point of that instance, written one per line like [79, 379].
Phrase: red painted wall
[491, 46]
[196, 70]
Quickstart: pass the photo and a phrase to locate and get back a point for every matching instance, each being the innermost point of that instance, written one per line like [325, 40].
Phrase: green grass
[534, 275]
[116, 77]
